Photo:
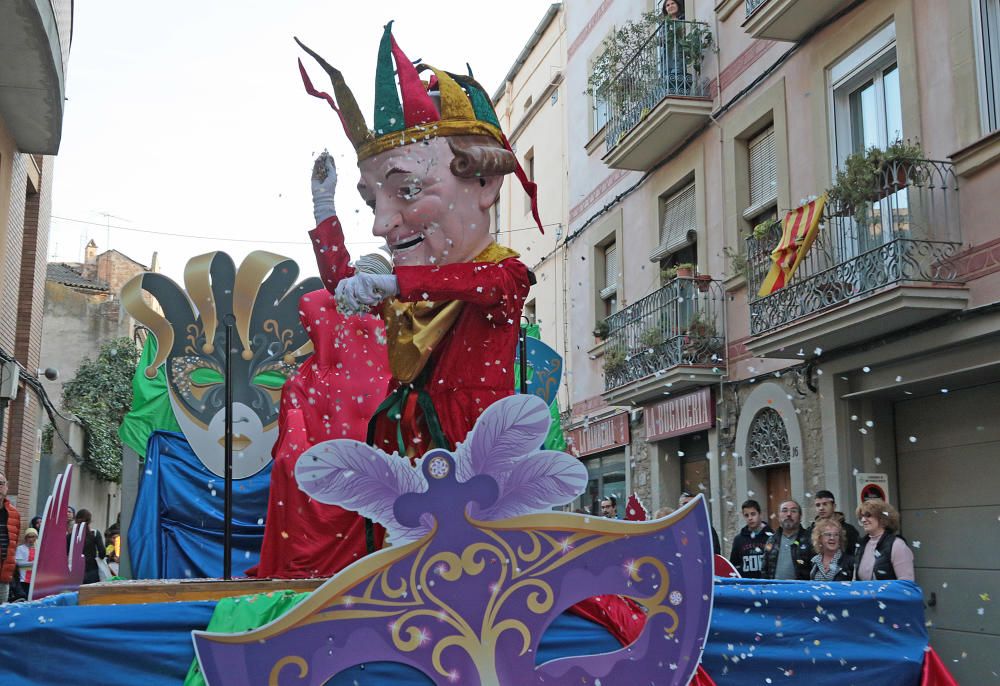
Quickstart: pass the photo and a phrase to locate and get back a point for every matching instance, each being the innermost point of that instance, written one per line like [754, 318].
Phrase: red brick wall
[24, 418]
[10, 275]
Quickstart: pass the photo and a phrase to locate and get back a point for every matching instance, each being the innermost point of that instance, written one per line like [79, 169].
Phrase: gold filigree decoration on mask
[284, 336]
[405, 596]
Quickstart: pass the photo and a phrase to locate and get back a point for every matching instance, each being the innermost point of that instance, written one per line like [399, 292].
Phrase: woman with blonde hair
[882, 552]
[832, 562]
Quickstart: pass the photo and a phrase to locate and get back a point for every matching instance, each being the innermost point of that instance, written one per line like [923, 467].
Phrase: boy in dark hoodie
[748, 546]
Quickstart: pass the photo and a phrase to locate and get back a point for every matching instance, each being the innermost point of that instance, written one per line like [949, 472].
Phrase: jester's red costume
[332, 395]
[472, 366]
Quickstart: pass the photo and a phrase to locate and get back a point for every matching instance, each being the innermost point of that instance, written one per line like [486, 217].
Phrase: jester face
[260, 305]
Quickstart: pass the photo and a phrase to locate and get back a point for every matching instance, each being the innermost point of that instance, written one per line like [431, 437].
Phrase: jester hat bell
[407, 113]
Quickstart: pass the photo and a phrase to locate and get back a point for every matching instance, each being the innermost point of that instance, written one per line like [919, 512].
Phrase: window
[867, 112]
[527, 103]
[529, 311]
[988, 50]
[866, 99]
[609, 292]
[529, 169]
[762, 179]
[762, 175]
[679, 228]
[602, 111]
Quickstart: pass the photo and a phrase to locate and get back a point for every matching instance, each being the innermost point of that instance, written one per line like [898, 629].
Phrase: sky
[187, 129]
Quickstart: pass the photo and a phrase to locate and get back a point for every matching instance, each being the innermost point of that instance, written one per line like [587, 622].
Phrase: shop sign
[684, 414]
[598, 436]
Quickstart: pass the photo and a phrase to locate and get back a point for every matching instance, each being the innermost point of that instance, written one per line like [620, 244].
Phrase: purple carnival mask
[478, 569]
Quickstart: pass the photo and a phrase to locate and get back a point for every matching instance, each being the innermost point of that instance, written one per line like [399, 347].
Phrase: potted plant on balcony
[703, 282]
[651, 337]
[694, 41]
[614, 361]
[701, 341]
[607, 74]
[868, 177]
[684, 270]
[601, 329]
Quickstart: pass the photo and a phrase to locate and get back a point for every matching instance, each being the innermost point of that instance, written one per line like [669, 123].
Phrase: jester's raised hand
[324, 183]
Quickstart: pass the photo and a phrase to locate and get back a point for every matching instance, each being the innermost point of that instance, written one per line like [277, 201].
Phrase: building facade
[876, 361]
[531, 106]
[34, 49]
[83, 310]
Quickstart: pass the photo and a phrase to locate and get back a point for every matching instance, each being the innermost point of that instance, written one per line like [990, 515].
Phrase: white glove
[324, 183]
[362, 291]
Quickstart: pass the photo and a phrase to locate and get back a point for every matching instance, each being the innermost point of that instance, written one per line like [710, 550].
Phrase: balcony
[671, 340]
[788, 20]
[871, 271]
[34, 46]
[658, 98]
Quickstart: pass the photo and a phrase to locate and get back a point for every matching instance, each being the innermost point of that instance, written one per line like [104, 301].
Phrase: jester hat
[406, 113]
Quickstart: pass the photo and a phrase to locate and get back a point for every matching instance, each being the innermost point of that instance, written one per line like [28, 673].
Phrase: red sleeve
[500, 287]
[332, 257]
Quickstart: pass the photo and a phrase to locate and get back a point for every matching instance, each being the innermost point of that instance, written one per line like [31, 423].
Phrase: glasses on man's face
[830, 535]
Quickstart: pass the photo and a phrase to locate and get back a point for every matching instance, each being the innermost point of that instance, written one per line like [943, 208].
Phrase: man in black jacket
[826, 508]
[748, 546]
[788, 552]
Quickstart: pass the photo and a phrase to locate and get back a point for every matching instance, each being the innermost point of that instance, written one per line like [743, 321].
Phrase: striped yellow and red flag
[798, 231]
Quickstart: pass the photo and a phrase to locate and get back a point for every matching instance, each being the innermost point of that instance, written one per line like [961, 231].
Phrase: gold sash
[414, 329]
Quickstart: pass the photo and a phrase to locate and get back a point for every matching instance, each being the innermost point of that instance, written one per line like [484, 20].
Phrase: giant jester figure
[431, 169]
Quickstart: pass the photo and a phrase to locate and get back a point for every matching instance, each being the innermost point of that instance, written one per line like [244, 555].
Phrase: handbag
[103, 570]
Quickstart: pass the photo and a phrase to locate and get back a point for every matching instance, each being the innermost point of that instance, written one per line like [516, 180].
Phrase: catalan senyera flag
[798, 231]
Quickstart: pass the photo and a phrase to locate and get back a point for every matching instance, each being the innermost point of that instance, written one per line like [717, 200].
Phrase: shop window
[606, 476]
[693, 454]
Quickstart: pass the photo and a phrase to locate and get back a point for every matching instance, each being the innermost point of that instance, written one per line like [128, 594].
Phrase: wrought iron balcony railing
[906, 232]
[752, 6]
[667, 64]
[680, 324]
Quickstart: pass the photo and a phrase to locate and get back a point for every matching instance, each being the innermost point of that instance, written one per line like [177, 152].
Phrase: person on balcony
[672, 59]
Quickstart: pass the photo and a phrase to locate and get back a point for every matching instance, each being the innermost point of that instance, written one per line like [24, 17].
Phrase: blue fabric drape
[869, 633]
[865, 632]
[42, 644]
[176, 532]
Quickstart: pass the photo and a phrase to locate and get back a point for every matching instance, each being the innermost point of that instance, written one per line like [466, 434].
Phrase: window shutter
[610, 271]
[763, 169]
[680, 222]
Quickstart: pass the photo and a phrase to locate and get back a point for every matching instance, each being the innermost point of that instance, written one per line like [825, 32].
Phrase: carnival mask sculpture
[479, 568]
[259, 301]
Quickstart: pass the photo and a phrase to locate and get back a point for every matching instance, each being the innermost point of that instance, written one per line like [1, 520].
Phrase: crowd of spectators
[830, 549]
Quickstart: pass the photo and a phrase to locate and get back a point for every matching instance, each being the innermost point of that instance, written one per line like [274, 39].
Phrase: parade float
[451, 564]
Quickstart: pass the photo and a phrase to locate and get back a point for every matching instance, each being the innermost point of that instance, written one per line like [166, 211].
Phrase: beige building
[83, 310]
[531, 106]
[34, 49]
[878, 357]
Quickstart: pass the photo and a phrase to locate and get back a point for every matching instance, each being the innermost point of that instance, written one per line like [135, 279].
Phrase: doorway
[779, 489]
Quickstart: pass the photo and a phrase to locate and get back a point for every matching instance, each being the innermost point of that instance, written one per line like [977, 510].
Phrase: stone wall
[806, 403]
